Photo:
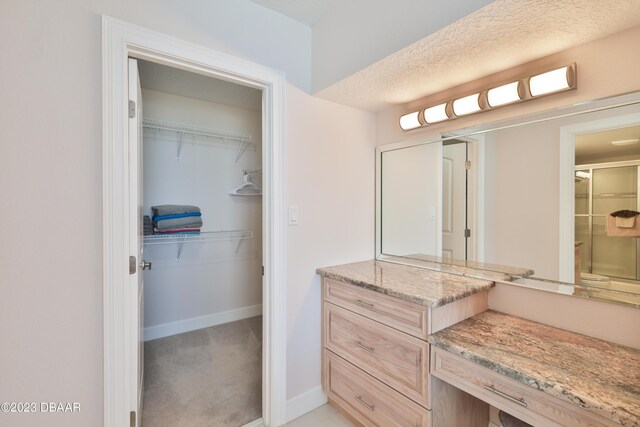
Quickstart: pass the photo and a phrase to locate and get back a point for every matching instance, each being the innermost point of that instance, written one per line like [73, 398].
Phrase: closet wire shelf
[204, 236]
[181, 129]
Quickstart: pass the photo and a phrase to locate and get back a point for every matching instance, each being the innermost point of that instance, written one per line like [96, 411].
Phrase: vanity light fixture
[467, 105]
[410, 121]
[552, 81]
[503, 95]
[436, 114]
[626, 141]
[521, 90]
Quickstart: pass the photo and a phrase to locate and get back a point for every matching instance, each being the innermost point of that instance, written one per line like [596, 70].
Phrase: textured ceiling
[499, 36]
[306, 11]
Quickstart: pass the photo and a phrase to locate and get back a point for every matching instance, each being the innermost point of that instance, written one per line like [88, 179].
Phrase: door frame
[567, 185]
[121, 40]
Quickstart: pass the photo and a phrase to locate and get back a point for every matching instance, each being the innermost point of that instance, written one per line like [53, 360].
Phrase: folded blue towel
[173, 209]
[175, 232]
[188, 222]
[157, 218]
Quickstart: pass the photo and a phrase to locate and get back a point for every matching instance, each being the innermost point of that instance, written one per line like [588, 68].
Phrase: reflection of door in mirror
[454, 200]
[409, 200]
[606, 181]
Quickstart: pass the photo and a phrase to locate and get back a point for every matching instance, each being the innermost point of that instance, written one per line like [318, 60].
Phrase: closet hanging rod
[185, 128]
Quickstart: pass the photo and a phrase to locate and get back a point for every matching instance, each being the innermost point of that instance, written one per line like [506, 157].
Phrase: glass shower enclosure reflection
[600, 190]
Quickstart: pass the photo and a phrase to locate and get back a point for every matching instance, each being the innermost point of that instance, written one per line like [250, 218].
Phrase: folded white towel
[625, 222]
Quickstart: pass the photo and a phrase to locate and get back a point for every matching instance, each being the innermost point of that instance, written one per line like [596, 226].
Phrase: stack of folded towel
[148, 225]
[176, 219]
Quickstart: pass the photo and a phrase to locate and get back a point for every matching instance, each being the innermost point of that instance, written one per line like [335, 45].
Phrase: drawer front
[524, 402]
[402, 315]
[398, 360]
[367, 399]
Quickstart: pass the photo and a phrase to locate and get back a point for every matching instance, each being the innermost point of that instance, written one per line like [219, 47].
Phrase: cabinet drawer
[524, 402]
[395, 358]
[402, 315]
[367, 399]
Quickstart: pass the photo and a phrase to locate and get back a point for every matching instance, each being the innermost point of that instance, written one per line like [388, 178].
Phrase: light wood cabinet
[398, 314]
[375, 353]
[367, 400]
[396, 359]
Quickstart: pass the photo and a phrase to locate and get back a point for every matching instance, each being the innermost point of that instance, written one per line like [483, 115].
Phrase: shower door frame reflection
[590, 168]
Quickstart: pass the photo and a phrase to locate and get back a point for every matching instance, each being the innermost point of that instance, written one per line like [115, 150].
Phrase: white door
[136, 240]
[454, 201]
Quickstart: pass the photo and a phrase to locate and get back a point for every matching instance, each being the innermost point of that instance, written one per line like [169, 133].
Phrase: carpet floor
[209, 377]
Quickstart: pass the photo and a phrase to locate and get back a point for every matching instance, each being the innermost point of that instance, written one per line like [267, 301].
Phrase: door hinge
[132, 265]
[132, 419]
[467, 165]
[132, 109]
[467, 232]
[263, 270]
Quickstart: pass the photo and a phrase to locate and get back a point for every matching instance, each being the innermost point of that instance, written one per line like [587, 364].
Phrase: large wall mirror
[534, 192]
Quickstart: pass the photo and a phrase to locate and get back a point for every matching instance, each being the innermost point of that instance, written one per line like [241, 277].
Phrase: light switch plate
[293, 215]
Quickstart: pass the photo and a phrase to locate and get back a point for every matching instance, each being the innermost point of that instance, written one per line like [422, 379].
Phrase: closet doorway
[202, 209]
[124, 207]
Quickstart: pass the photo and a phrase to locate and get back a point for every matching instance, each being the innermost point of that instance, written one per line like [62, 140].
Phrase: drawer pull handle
[369, 406]
[521, 401]
[364, 347]
[367, 304]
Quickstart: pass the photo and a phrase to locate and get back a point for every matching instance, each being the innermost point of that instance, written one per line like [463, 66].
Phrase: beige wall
[330, 169]
[604, 320]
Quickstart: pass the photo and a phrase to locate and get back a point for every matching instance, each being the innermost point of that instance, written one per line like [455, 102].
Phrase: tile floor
[324, 416]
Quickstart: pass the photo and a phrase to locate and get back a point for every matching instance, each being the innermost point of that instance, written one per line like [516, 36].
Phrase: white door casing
[454, 201]
[122, 40]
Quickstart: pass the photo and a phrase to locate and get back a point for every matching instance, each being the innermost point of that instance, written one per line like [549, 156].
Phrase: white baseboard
[305, 402]
[173, 328]
[257, 423]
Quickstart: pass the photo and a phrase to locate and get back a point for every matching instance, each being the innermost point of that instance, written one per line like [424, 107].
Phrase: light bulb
[410, 121]
[467, 105]
[505, 94]
[551, 81]
[436, 114]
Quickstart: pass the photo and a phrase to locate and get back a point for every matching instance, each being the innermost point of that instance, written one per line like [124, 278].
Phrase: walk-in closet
[202, 208]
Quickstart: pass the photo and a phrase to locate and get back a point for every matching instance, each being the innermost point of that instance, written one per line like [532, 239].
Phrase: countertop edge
[417, 300]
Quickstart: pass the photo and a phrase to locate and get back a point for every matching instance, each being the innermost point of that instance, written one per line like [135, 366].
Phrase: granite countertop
[596, 375]
[422, 286]
[474, 269]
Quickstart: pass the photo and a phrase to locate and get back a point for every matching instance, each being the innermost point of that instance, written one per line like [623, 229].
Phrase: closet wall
[200, 284]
